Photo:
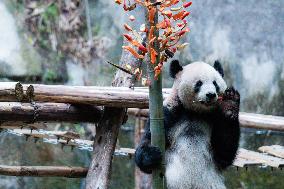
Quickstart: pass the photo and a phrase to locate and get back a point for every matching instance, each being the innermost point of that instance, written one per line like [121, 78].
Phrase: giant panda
[201, 127]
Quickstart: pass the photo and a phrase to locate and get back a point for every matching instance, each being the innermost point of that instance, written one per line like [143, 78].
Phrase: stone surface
[245, 35]
[17, 58]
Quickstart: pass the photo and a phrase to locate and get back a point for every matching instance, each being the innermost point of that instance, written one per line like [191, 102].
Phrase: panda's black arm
[226, 130]
[148, 157]
[225, 141]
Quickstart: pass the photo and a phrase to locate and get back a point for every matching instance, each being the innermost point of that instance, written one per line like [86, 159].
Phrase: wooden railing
[79, 104]
[29, 106]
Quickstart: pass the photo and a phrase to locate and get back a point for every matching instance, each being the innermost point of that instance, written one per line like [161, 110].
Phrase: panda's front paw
[148, 158]
[230, 103]
[232, 94]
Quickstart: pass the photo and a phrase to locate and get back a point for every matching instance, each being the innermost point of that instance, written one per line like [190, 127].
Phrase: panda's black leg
[147, 157]
[226, 130]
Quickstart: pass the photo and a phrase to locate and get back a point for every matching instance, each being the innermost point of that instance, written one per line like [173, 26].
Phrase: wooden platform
[248, 158]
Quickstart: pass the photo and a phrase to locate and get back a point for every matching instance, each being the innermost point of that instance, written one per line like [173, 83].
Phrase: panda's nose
[210, 96]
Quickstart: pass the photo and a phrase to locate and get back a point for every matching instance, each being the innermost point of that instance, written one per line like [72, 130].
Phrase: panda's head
[197, 85]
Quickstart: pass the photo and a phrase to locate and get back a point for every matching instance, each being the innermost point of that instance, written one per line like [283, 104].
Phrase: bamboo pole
[42, 112]
[156, 107]
[44, 171]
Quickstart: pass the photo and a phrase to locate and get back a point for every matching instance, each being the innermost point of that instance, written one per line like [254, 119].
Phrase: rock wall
[245, 35]
[17, 57]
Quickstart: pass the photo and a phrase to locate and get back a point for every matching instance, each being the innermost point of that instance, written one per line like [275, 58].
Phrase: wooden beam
[260, 121]
[108, 96]
[100, 96]
[43, 112]
[247, 120]
[43, 171]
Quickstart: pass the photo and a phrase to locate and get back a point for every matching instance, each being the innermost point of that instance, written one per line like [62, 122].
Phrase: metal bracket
[30, 96]
[30, 93]
[19, 92]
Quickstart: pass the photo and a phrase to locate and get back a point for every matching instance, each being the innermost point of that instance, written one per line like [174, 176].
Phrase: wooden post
[107, 131]
[104, 146]
[156, 107]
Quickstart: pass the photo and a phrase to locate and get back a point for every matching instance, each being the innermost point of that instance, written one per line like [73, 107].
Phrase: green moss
[31, 57]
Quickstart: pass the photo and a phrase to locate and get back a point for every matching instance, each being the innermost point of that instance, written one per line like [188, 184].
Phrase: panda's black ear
[175, 68]
[219, 68]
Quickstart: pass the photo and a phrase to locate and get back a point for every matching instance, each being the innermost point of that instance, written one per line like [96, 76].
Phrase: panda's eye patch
[197, 86]
[216, 86]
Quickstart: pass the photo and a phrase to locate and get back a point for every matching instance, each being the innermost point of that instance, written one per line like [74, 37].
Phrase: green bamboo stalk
[156, 110]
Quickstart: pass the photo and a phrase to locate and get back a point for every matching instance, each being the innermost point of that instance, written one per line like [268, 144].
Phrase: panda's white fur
[199, 170]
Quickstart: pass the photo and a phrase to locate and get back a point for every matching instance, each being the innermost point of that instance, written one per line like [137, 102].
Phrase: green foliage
[47, 25]
[49, 76]
[254, 178]
[51, 12]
